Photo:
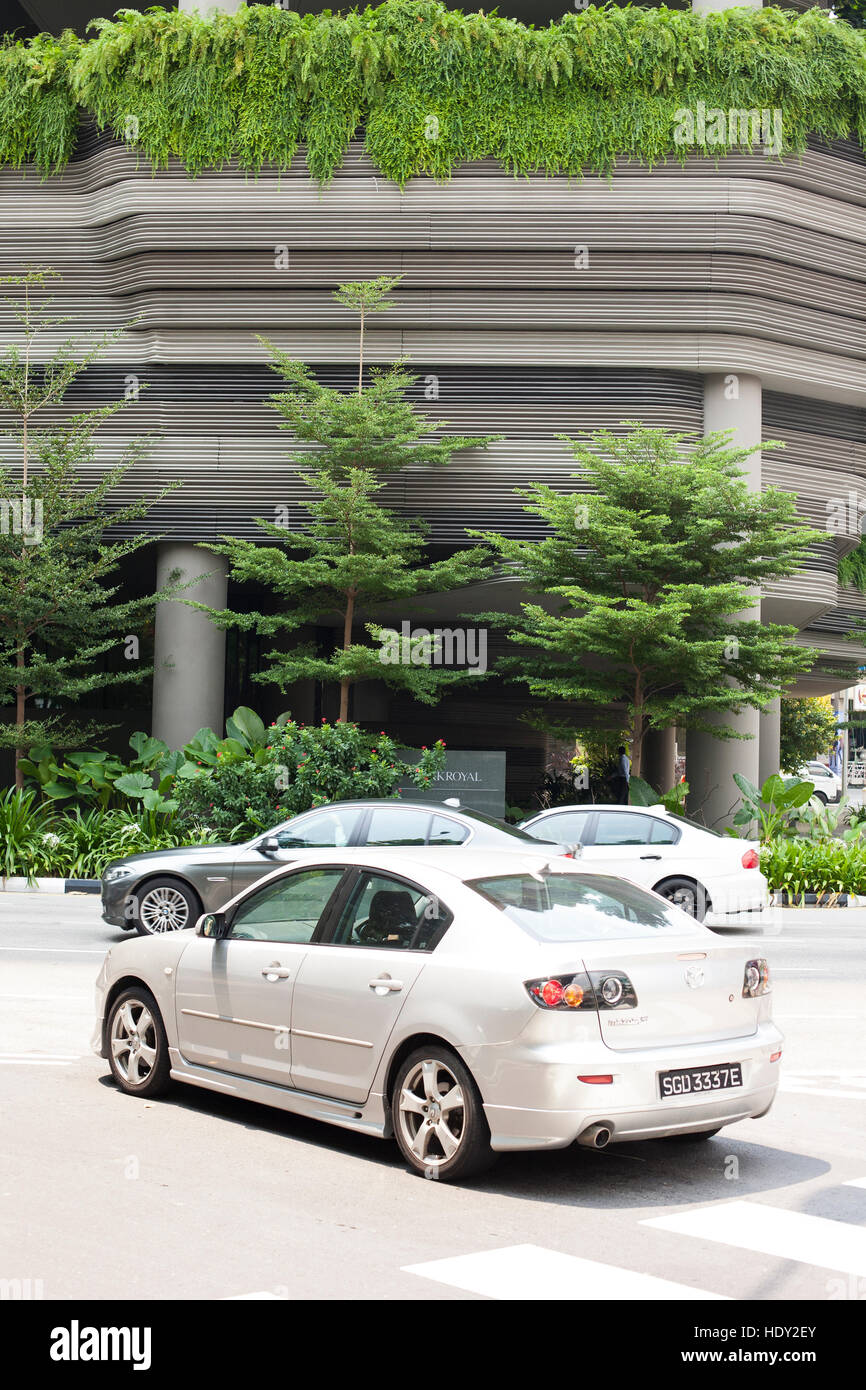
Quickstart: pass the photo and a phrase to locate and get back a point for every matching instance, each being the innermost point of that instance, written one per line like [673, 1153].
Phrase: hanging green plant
[432, 89]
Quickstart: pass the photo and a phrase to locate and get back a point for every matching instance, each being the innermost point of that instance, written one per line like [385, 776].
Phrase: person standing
[622, 776]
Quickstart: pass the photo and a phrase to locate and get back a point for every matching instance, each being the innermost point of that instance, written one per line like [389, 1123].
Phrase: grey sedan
[167, 890]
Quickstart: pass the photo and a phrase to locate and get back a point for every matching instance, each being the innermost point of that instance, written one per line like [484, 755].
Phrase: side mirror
[269, 845]
[212, 924]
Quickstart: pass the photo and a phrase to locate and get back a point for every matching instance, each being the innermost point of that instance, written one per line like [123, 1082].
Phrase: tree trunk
[20, 713]
[347, 642]
[638, 732]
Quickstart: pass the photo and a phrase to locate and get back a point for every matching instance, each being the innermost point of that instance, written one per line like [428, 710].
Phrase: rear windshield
[502, 825]
[585, 907]
[684, 820]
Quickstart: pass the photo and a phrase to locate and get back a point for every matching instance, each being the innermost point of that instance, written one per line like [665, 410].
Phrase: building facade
[721, 294]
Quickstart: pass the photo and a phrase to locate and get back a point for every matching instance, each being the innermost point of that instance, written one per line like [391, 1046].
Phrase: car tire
[820, 796]
[137, 1044]
[694, 1138]
[687, 894]
[425, 1137]
[164, 905]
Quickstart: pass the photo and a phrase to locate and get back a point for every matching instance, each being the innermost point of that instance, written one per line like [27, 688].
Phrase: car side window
[445, 831]
[623, 828]
[567, 828]
[331, 829]
[392, 914]
[288, 910]
[398, 826]
[664, 834]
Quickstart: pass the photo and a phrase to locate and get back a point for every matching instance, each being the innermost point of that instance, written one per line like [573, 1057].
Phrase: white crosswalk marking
[790, 1235]
[840, 1085]
[531, 1272]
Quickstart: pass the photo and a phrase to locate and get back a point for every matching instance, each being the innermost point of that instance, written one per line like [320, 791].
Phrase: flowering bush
[307, 765]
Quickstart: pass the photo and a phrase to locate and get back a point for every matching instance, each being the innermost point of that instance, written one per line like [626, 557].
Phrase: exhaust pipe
[595, 1137]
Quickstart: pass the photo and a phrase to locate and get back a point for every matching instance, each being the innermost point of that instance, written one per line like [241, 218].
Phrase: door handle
[650, 856]
[385, 982]
[275, 971]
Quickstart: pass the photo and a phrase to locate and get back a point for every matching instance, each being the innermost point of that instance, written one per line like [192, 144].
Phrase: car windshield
[585, 907]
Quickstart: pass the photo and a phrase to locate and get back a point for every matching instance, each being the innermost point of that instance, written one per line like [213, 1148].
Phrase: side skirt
[366, 1119]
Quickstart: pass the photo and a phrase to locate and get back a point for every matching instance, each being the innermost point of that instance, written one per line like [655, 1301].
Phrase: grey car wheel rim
[133, 1041]
[686, 898]
[431, 1113]
[164, 909]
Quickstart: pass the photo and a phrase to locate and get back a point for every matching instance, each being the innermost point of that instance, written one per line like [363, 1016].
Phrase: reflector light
[750, 859]
[597, 1080]
[774, 1056]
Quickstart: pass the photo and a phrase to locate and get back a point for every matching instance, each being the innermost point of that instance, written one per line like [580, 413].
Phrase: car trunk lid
[685, 993]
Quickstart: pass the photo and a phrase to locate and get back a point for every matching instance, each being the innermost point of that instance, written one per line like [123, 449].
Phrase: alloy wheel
[686, 898]
[432, 1113]
[163, 909]
[133, 1041]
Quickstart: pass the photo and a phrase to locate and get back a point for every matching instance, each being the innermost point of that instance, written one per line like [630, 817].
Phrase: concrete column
[770, 723]
[732, 401]
[659, 758]
[189, 650]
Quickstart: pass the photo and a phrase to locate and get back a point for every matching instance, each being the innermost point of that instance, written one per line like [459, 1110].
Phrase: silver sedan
[464, 1002]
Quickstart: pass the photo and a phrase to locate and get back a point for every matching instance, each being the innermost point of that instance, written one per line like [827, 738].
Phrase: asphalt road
[200, 1196]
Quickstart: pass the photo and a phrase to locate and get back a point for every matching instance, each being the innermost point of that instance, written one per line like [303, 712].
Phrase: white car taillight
[751, 859]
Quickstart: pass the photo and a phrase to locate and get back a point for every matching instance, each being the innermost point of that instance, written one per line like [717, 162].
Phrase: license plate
[691, 1081]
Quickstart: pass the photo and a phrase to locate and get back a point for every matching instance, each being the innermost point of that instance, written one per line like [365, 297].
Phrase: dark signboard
[476, 779]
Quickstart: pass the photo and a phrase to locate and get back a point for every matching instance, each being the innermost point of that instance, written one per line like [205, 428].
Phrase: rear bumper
[533, 1099]
[747, 890]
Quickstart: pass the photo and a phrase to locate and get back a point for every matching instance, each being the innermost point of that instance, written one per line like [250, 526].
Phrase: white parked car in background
[700, 870]
[828, 784]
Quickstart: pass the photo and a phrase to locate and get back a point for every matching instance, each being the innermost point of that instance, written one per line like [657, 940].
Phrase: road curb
[828, 900]
[50, 885]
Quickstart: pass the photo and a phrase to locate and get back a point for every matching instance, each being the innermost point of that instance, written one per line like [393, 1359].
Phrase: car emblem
[694, 976]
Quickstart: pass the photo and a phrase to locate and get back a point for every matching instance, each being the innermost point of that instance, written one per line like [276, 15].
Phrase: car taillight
[601, 989]
[756, 979]
[750, 859]
[562, 992]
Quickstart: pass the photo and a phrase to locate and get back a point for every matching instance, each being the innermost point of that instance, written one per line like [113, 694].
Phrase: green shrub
[432, 88]
[814, 866]
[22, 821]
[234, 800]
[307, 765]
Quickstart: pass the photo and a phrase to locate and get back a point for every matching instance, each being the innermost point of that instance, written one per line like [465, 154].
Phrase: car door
[638, 846]
[350, 989]
[331, 827]
[233, 996]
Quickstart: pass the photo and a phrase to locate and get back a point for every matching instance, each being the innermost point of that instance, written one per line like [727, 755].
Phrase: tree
[645, 579]
[59, 605]
[807, 729]
[352, 552]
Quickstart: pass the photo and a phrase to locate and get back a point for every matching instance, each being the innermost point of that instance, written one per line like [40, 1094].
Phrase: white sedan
[465, 1002]
[700, 870]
